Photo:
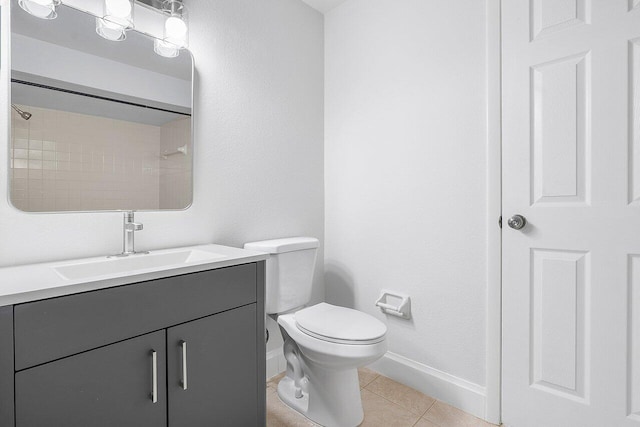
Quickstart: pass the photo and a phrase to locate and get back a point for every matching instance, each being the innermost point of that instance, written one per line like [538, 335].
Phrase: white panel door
[571, 166]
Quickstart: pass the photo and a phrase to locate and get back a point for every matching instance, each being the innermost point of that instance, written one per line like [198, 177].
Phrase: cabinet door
[221, 371]
[109, 386]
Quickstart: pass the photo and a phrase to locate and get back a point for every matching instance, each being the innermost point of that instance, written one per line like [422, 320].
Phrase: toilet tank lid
[278, 246]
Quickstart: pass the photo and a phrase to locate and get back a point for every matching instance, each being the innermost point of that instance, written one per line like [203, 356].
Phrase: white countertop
[39, 281]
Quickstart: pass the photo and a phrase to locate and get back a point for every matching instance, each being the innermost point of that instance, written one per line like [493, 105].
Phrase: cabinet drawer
[50, 329]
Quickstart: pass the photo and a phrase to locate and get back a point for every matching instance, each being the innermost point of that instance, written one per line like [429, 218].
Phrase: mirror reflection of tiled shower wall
[175, 170]
[62, 161]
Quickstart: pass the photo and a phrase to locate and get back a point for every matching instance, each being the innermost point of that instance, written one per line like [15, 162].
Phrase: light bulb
[175, 27]
[109, 30]
[119, 8]
[119, 12]
[175, 31]
[44, 9]
[165, 49]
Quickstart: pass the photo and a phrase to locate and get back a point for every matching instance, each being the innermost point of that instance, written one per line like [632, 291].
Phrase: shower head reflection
[24, 114]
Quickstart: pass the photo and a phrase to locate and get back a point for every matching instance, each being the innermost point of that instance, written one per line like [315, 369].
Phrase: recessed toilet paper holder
[395, 304]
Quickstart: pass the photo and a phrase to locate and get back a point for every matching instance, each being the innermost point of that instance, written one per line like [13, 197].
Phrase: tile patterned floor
[386, 403]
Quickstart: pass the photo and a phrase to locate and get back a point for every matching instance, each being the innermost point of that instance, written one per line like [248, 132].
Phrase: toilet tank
[289, 271]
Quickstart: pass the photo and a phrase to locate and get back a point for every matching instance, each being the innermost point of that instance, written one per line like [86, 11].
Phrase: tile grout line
[394, 403]
[425, 413]
[430, 406]
[364, 386]
[408, 410]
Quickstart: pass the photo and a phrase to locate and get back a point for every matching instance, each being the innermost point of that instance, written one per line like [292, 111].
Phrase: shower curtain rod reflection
[103, 98]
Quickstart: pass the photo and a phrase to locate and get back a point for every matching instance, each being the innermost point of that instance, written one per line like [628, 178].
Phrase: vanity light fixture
[119, 12]
[165, 49]
[117, 18]
[176, 30]
[43, 9]
[109, 30]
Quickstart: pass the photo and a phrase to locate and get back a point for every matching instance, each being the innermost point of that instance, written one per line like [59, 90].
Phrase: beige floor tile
[445, 415]
[366, 375]
[386, 403]
[273, 381]
[379, 412]
[280, 415]
[424, 423]
[400, 394]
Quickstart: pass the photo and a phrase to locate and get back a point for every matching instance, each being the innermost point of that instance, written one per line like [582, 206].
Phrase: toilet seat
[340, 325]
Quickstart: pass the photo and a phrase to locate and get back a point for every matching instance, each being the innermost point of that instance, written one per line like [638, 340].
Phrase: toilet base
[286, 393]
[321, 382]
[330, 398]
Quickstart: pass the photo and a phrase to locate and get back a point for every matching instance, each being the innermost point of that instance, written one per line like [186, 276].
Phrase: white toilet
[323, 344]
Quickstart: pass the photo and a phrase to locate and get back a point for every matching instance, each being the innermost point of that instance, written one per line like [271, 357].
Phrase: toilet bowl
[326, 388]
[323, 344]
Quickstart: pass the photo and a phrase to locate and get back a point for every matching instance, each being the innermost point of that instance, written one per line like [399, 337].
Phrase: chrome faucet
[129, 229]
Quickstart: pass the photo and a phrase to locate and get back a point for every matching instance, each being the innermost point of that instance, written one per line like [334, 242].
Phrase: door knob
[517, 222]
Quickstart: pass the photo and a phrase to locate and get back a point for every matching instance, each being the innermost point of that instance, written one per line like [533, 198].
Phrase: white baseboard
[275, 362]
[440, 385]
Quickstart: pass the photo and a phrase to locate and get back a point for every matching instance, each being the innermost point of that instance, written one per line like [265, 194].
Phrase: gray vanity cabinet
[109, 386]
[217, 355]
[120, 356]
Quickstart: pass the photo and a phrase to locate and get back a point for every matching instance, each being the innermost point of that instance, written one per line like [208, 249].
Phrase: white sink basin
[133, 263]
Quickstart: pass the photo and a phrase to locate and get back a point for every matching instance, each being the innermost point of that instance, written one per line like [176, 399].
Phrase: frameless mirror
[96, 124]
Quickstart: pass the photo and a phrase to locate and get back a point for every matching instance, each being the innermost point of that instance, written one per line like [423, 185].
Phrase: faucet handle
[133, 226]
[137, 226]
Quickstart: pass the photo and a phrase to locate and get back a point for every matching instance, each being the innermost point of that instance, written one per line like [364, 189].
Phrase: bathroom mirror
[96, 125]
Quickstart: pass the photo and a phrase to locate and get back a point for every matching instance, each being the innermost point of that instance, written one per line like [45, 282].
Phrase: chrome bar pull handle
[154, 376]
[183, 380]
